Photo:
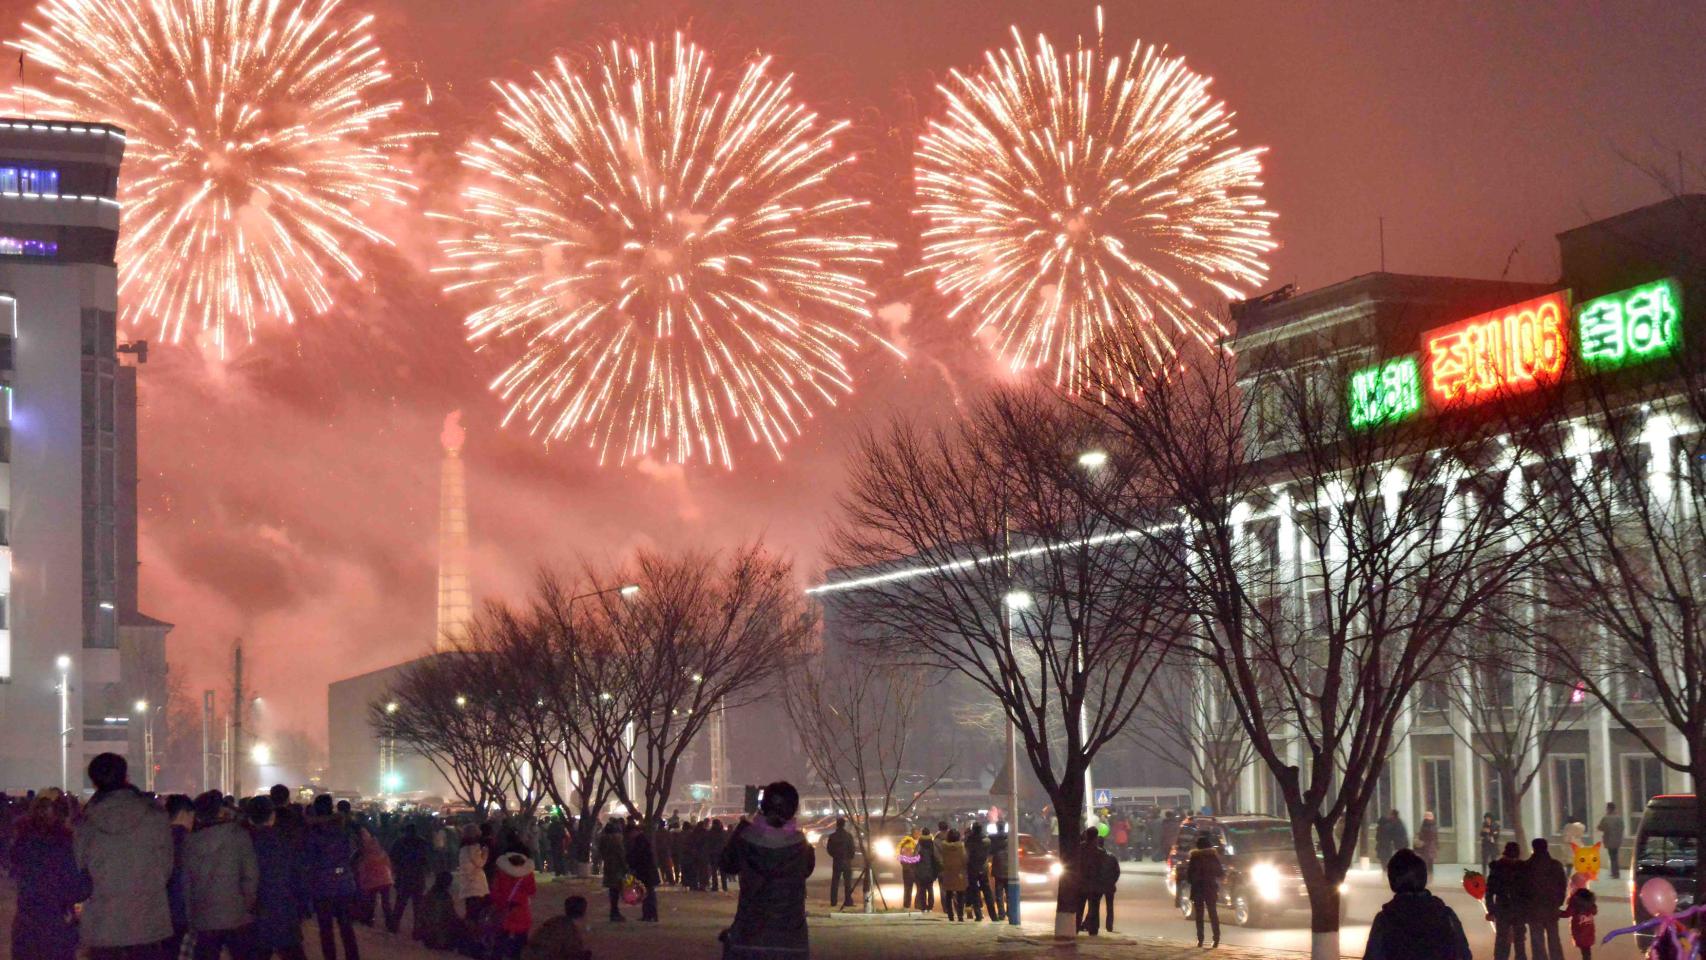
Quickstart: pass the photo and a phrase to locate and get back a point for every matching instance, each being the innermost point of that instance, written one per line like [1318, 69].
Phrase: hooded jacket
[1416, 926]
[49, 883]
[513, 887]
[977, 857]
[125, 845]
[329, 855]
[372, 866]
[221, 877]
[773, 863]
[953, 854]
[470, 872]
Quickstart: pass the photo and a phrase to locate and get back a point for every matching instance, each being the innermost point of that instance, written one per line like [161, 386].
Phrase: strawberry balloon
[1474, 884]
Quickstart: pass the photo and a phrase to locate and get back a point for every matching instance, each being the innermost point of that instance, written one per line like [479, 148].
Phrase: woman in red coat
[511, 907]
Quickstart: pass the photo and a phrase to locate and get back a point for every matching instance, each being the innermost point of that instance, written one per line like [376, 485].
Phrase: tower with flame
[455, 600]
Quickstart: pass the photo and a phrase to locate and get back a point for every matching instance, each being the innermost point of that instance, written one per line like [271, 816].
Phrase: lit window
[21, 247]
[35, 181]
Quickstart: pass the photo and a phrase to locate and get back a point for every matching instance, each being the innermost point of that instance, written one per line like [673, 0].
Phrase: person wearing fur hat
[511, 907]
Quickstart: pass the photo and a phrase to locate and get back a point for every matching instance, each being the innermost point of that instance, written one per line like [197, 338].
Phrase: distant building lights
[21, 247]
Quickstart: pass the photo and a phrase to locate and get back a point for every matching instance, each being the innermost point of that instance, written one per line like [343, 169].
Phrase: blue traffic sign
[1102, 798]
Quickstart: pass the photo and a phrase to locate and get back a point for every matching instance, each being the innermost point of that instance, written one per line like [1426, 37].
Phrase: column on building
[1465, 799]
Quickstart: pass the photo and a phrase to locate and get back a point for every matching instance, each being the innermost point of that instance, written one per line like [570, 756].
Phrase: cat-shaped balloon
[1587, 860]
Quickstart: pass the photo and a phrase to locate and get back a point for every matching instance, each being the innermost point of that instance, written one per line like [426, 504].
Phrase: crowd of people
[134, 876]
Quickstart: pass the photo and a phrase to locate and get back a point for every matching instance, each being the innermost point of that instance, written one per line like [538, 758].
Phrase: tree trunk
[1324, 915]
[1517, 797]
[1071, 813]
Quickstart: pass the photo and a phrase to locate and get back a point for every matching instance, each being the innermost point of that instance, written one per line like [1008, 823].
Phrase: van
[1667, 845]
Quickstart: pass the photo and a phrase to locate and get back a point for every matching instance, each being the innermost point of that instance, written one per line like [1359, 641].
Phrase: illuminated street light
[630, 591]
[261, 754]
[1017, 600]
[461, 701]
[1093, 459]
[391, 707]
[141, 706]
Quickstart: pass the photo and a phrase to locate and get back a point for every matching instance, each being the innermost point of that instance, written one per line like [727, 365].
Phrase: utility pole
[206, 739]
[237, 699]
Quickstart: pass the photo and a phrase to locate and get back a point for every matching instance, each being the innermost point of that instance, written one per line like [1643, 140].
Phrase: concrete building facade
[68, 593]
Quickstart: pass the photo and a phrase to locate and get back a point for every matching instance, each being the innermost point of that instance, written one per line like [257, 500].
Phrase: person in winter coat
[1546, 883]
[1574, 833]
[928, 869]
[1506, 884]
[556, 857]
[953, 877]
[613, 852]
[1489, 837]
[1611, 835]
[124, 844]
[1091, 875]
[1389, 836]
[44, 868]
[716, 838]
[411, 862]
[906, 851]
[1169, 836]
[1203, 872]
[998, 875]
[1427, 841]
[564, 937]
[977, 873]
[839, 846]
[1580, 912]
[643, 867]
[221, 879]
[1414, 924]
[513, 887]
[436, 923]
[181, 810]
[1120, 834]
[281, 887]
[773, 859]
[373, 877]
[470, 887]
[328, 855]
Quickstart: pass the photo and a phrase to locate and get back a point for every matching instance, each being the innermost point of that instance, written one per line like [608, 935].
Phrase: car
[1036, 863]
[1262, 879]
[1667, 845]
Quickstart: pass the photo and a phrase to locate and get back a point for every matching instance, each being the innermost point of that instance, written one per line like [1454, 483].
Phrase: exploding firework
[255, 150]
[1081, 206]
[666, 249]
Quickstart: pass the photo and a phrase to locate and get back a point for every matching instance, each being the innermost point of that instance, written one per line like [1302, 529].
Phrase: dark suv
[1262, 877]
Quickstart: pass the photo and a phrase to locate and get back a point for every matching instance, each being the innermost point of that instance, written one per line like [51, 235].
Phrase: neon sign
[1385, 393]
[1630, 326]
[1511, 349]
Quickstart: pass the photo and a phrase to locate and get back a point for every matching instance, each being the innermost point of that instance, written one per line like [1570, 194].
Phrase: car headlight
[1345, 887]
[1055, 869]
[812, 837]
[884, 847]
[1034, 878]
[1265, 878]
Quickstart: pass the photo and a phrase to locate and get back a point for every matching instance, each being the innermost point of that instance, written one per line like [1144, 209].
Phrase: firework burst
[1080, 205]
[667, 252]
[255, 148]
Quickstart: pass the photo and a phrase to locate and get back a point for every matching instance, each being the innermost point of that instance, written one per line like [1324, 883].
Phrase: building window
[1435, 696]
[5, 526]
[35, 181]
[1569, 791]
[26, 247]
[5, 611]
[1263, 543]
[1643, 779]
[1437, 790]
[1638, 687]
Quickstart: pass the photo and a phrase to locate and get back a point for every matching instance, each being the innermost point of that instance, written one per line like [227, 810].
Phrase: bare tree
[1182, 721]
[440, 716]
[1323, 569]
[976, 548]
[856, 718]
[702, 632]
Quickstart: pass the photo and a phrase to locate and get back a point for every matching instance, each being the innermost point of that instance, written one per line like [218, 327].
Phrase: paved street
[1148, 928]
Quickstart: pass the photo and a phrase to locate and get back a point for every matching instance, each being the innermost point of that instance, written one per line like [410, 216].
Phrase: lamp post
[1092, 461]
[1015, 600]
[63, 663]
[627, 591]
[147, 714]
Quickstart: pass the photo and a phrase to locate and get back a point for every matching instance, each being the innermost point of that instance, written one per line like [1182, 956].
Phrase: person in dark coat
[998, 875]
[328, 852]
[978, 896]
[181, 811]
[1611, 835]
[839, 846]
[613, 853]
[643, 867]
[411, 859]
[281, 894]
[928, 869]
[716, 838]
[436, 923]
[1489, 837]
[44, 868]
[772, 858]
[1414, 924]
[1427, 841]
[1095, 887]
[1203, 872]
[1389, 836]
[1505, 906]
[690, 853]
[1546, 884]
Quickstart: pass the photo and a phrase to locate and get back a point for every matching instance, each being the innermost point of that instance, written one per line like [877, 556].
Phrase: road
[1144, 909]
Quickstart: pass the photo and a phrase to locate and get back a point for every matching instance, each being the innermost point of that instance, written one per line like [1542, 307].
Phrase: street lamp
[63, 662]
[147, 713]
[261, 754]
[1093, 459]
[626, 591]
[1012, 602]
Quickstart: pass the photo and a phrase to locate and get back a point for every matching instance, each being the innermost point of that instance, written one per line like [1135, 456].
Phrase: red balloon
[1474, 884]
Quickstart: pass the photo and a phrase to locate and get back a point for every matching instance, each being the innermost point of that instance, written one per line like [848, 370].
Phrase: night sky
[289, 493]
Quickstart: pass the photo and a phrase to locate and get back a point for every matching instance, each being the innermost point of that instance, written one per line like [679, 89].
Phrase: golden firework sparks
[667, 252]
[1080, 205]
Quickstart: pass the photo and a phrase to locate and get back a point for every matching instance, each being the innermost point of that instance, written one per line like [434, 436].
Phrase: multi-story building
[1400, 330]
[76, 653]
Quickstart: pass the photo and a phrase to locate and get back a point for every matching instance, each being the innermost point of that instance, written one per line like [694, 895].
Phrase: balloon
[1659, 897]
[1578, 880]
[1101, 829]
[1474, 884]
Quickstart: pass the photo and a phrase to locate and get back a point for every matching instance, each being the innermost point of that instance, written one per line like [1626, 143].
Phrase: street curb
[851, 916]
